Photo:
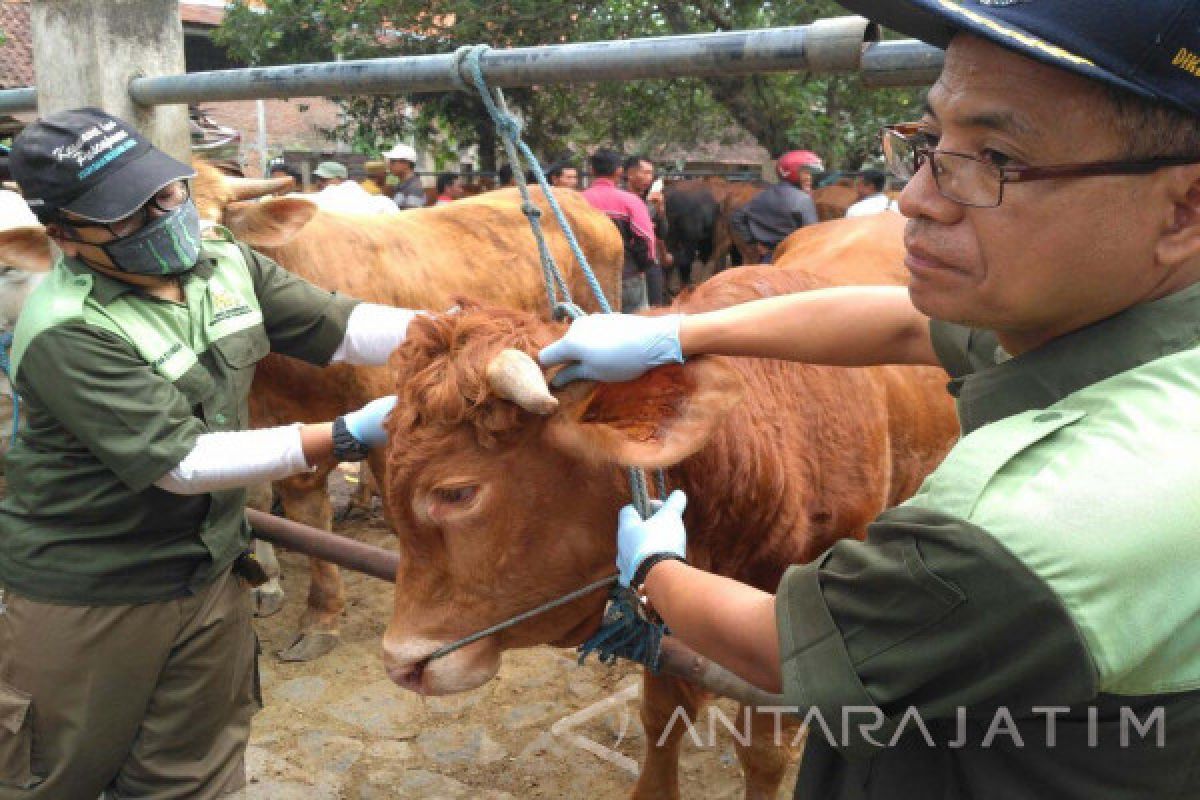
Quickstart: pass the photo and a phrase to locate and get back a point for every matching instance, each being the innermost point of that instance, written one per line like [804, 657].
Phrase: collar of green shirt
[1044, 376]
[106, 289]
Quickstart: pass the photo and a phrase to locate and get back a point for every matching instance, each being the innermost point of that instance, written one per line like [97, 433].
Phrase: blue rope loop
[6, 340]
[626, 633]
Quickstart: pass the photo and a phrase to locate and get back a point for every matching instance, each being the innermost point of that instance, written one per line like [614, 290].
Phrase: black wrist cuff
[345, 446]
[639, 576]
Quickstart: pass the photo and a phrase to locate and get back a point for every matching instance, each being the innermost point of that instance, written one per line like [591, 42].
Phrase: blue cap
[1148, 47]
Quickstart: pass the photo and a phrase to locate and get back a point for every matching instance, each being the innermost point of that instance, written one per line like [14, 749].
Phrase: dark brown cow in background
[499, 509]
[726, 242]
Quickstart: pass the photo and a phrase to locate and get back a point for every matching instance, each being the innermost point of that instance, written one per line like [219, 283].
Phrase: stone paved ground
[544, 728]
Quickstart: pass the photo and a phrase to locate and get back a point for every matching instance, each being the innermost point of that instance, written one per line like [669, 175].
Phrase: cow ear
[654, 421]
[269, 223]
[28, 248]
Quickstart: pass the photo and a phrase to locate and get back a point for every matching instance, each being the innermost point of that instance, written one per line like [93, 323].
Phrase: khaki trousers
[149, 701]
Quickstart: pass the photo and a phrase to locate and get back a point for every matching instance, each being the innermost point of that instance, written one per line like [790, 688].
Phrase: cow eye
[455, 495]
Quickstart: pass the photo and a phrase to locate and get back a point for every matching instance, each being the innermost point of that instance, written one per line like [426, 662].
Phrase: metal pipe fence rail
[839, 45]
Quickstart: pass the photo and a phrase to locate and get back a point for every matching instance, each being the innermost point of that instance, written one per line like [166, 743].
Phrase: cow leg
[306, 500]
[669, 706]
[768, 755]
[268, 598]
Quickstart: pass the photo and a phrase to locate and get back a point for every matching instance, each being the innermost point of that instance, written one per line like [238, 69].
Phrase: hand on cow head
[498, 508]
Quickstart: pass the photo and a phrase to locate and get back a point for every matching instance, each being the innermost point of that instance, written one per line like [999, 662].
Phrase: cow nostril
[408, 676]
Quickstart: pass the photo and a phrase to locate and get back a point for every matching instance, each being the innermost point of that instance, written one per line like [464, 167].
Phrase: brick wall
[294, 124]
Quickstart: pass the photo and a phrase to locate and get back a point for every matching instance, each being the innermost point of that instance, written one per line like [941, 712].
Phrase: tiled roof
[16, 54]
[199, 14]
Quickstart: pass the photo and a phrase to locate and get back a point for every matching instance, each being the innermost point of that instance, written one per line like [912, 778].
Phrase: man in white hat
[401, 161]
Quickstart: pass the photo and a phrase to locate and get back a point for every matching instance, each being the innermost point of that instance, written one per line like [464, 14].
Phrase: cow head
[235, 203]
[504, 495]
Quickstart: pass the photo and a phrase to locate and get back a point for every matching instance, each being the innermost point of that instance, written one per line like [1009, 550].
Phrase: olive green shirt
[1028, 624]
[82, 522]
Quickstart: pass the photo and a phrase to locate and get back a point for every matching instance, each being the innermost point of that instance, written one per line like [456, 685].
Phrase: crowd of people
[625, 188]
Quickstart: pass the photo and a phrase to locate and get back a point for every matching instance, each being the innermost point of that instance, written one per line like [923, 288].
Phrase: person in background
[629, 213]
[449, 188]
[329, 174]
[127, 655]
[563, 175]
[336, 192]
[278, 169]
[376, 181]
[639, 179]
[401, 163]
[782, 207]
[871, 199]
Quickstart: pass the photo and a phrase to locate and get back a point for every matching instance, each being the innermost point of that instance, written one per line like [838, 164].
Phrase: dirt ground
[544, 728]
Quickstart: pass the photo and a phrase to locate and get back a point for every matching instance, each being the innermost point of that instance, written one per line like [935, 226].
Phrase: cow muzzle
[408, 665]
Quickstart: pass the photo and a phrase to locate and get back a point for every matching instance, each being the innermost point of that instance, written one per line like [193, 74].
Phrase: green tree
[834, 115]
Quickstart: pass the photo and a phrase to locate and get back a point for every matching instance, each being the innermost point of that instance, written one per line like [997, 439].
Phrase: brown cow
[725, 239]
[498, 509]
[479, 247]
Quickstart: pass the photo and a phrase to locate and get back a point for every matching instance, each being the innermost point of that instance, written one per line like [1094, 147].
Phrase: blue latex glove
[614, 347]
[638, 539]
[366, 424]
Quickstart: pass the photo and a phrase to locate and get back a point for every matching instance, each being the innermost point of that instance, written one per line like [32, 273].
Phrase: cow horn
[515, 376]
[250, 188]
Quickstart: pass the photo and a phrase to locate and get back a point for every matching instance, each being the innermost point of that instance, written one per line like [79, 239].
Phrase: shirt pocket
[16, 739]
[236, 356]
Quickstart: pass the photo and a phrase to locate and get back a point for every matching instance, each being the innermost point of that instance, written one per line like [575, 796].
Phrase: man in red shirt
[629, 213]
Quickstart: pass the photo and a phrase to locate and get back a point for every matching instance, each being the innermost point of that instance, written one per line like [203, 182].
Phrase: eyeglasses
[164, 201]
[975, 182]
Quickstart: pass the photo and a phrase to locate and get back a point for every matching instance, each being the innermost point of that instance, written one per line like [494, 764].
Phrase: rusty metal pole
[340, 550]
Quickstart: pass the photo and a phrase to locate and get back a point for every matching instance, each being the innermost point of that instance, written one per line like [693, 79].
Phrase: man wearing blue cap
[127, 657]
[1028, 624]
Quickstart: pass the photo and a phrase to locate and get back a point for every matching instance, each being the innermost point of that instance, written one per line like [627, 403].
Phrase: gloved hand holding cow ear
[357, 432]
[614, 347]
[642, 543]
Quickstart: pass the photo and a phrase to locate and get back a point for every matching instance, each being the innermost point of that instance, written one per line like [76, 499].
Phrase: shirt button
[1049, 416]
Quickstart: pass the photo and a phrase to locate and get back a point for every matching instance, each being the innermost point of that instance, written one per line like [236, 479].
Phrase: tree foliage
[834, 115]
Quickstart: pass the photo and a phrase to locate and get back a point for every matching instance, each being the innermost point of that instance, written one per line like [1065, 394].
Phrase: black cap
[1148, 47]
[91, 164]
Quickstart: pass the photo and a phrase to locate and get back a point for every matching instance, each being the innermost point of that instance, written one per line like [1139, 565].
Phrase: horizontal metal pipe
[833, 45]
[16, 100]
[331, 547]
[906, 62]
[825, 46]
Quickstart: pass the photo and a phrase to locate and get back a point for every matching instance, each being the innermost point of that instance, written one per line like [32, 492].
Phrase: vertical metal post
[85, 53]
[263, 157]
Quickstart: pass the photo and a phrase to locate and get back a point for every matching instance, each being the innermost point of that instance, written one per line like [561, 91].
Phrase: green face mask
[168, 245]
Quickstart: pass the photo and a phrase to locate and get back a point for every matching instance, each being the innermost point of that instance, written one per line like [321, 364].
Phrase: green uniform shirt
[1028, 624]
[117, 386]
